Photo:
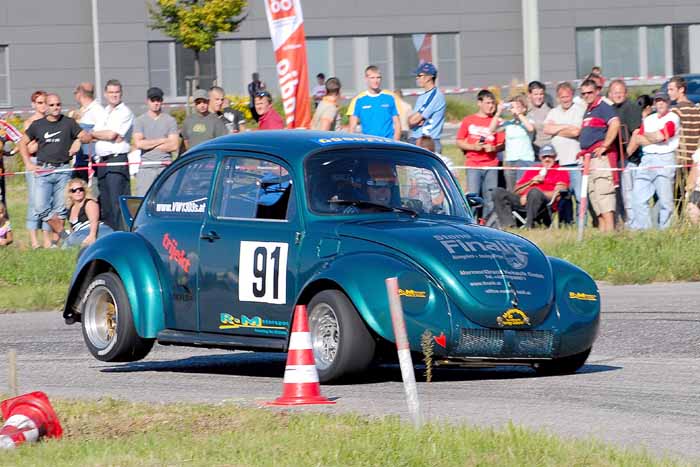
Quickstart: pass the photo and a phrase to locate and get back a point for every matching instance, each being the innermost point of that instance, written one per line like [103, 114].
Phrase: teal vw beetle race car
[241, 229]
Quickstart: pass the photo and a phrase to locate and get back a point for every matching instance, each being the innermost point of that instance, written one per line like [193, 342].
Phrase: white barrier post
[404, 351]
[12, 372]
[583, 196]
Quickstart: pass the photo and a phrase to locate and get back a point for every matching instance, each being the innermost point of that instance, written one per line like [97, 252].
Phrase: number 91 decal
[262, 272]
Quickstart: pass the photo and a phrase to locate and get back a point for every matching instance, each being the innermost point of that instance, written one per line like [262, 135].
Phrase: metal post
[531, 39]
[96, 46]
[583, 196]
[12, 369]
[404, 351]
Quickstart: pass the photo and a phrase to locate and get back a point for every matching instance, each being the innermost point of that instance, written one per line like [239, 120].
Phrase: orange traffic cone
[28, 418]
[301, 384]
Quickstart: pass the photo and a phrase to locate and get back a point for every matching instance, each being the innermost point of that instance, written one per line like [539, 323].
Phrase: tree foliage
[196, 23]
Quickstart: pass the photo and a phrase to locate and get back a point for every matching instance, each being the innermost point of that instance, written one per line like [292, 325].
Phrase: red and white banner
[287, 32]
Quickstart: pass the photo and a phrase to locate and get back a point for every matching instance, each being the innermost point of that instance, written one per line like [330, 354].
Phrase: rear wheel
[562, 366]
[108, 326]
[341, 342]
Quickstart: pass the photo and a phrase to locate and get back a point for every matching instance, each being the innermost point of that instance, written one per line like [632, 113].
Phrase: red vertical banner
[286, 24]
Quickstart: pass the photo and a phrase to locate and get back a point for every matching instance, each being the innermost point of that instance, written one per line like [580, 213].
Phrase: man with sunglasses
[598, 138]
[55, 134]
[428, 115]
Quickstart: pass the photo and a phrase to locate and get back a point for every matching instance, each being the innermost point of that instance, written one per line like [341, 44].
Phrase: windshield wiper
[368, 204]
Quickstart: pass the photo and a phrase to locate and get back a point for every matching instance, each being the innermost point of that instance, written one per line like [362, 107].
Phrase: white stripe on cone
[300, 374]
[300, 341]
[21, 423]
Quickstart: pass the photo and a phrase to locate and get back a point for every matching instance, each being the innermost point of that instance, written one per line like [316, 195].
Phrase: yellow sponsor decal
[583, 296]
[256, 323]
[513, 317]
[412, 293]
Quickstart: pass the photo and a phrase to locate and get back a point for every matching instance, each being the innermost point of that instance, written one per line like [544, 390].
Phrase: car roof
[294, 145]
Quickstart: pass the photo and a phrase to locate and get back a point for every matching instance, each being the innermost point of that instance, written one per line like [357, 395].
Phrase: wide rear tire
[342, 344]
[107, 322]
[562, 366]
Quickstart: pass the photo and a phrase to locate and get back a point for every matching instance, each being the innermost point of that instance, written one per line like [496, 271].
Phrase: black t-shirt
[54, 138]
[232, 118]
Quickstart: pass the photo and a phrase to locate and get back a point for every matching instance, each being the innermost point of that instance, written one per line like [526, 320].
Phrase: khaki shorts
[601, 190]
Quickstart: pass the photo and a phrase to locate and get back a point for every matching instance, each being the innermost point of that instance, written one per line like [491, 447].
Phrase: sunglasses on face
[77, 190]
[55, 105]
[262, 94]
[380, 183]
[587, 93]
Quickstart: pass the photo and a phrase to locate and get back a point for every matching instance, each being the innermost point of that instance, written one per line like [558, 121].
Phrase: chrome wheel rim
[325, 335]
[100, 317]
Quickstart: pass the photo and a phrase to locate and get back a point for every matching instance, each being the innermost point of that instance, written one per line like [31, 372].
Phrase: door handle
[211, 236]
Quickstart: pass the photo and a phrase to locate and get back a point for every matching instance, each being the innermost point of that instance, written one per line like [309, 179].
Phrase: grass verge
[109, 432]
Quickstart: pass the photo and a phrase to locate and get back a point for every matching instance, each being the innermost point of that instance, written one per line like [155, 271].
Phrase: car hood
[496, 278]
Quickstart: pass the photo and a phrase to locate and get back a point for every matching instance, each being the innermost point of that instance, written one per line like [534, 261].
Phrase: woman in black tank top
[83, 215]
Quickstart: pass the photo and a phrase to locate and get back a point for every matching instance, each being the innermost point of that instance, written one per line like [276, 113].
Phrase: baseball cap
[426, 68]
[154, 94]
[662, 96]
[548, 150]
[200, 94]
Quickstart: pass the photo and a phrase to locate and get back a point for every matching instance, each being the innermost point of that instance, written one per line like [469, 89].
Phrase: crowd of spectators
[631, 149]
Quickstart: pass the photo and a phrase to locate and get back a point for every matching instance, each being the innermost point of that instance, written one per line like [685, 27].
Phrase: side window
[250, 188]
[185, 192]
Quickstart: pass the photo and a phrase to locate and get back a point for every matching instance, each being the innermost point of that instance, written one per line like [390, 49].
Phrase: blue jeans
[512, 176]
[32, 220]
[76, 238]
[483, 182]
[648, 182]
[49, 194]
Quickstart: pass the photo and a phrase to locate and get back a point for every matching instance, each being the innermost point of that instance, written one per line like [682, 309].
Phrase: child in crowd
[5, 227]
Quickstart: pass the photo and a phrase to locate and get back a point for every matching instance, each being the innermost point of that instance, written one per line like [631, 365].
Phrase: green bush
[458, 108]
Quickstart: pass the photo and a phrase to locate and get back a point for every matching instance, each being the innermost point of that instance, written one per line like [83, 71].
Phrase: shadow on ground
[271, 365]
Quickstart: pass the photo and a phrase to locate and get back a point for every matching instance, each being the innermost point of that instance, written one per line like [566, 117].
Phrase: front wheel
[341, 342]
[108, 326]
[562, 366]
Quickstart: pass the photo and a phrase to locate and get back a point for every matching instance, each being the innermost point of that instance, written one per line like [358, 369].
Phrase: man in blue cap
[428, 115]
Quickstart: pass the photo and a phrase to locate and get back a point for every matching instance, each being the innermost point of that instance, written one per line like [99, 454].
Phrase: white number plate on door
[262, 272]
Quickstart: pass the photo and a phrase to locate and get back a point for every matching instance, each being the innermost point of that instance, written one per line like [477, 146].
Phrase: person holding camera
[480, 147]
[519, 130]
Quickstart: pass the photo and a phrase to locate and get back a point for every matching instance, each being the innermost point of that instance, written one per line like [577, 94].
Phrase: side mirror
[474, 200]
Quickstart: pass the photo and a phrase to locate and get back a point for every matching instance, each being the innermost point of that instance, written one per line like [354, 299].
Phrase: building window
[585, 51]
[620, 51]
[232, 78]
[4, 76]
[344, 61]
[410, 51]
[170, 66]
[267, 65]
[317, 59]
[656, 51]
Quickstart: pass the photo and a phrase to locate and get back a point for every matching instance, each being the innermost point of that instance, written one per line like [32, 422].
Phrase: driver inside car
[381, 182]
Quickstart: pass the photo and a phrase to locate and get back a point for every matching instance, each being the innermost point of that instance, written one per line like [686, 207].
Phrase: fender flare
[351, 274]
[139, 270]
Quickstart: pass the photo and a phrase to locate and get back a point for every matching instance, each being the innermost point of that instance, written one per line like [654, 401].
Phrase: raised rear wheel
[108, 326]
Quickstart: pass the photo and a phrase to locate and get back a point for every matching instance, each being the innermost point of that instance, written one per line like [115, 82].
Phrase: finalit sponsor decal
[256, 323]
[175, 255]
[465, 246]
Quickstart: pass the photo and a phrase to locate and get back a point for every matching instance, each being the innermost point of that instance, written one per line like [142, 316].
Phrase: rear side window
[249, 188]
[185, 192]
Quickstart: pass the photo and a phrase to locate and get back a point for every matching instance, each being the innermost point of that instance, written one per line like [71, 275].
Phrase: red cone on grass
[27, 418]
[301, 384]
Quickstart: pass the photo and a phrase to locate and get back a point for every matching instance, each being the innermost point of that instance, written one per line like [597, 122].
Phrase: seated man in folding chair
[537, 189]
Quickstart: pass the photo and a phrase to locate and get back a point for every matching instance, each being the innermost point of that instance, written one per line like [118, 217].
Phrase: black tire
[107, 323]
[562, 366]
[343, 346]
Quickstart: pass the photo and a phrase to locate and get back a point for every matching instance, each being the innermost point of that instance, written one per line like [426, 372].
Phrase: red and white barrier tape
[91, 167]
[576, 169]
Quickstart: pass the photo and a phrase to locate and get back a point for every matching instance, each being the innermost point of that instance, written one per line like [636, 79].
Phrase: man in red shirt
[480, 146]
[533, 191]
[269, 118]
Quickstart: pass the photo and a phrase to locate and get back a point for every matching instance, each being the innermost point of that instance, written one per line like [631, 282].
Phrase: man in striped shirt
[689, 114]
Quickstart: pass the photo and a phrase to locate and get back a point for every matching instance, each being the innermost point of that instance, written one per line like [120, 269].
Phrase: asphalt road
[640, 387]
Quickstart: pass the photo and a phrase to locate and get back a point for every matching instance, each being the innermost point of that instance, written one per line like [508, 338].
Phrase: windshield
[346, 182]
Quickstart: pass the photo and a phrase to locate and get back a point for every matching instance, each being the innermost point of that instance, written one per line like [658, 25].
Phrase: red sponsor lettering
[174, 254]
